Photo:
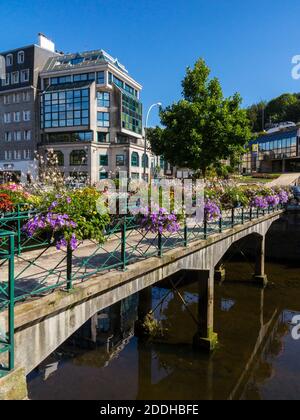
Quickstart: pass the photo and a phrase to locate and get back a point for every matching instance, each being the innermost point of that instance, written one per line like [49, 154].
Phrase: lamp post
[159, 104]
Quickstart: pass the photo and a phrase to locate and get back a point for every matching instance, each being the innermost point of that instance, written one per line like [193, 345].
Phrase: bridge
[48, 294]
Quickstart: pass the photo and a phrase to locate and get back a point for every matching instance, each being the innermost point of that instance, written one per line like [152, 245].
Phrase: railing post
[160, 247]
[11, 294]
[221, 224]
[205, 224]
[18, 230]
[250, 214]
[243, 215]
[257, 213]
[69, 268]
[185, 232]
[123, 245]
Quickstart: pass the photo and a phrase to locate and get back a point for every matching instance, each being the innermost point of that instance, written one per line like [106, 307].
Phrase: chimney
[46, 43]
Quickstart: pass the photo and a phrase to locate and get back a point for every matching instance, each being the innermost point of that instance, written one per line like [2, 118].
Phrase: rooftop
[82, 60]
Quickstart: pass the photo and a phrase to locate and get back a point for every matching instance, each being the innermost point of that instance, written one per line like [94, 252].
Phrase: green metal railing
[7, 290]
[14, 221]
[43, 270]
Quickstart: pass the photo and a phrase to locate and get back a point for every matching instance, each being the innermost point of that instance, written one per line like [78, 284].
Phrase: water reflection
[256, 359]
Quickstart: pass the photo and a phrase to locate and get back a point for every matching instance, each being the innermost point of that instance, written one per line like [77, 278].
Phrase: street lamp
[159, 104]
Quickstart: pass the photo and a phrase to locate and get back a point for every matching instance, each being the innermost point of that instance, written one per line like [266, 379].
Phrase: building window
[120, 160]
[60, 157]
[17, 154]
[78, 158]
[17, 116]
[9, 60]
[83, 77]
[17, 136]
[26, 96]
[21, 57]
[8, 155]
[132, 114]
[72, 137]
[145, 161]
[26, 115]
[16, 98]
[27, 135]
[7, 80]
[27, 154]
[100, 78]
[8, 136]
[135, 159]
[103, 137]
[6, 99]
[103, 99]
[7, 117]
[15, 77]
[103, 175]
[118, 82]
[24, 76]
[103, 160]
[103, 119]
[65, 109]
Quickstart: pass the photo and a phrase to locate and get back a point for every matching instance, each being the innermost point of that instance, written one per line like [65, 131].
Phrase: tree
[202, 128]
[256, 115]
[285, 107]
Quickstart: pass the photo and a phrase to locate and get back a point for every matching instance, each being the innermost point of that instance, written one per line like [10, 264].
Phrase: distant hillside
[284, 108]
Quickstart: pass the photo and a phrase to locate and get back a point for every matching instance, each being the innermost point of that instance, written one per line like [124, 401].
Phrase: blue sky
[248, 45]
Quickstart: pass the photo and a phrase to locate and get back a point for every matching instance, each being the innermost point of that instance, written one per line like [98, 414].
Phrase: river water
[257, 358]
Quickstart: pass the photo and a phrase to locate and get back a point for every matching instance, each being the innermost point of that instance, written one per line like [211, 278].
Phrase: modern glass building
[90, 108]
[276, 152]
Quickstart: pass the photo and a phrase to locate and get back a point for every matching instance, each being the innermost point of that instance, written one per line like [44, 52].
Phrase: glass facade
[268, 152]
[65, 108]
[68, 137]
[132, 114]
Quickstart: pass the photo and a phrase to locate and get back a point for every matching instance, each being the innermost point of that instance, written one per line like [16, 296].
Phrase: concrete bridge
[43, 324]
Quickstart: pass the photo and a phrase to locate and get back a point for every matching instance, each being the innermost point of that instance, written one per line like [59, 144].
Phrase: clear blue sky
[248, 45]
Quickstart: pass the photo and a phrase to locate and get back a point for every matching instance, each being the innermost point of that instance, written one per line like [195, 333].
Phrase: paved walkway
[285, 180]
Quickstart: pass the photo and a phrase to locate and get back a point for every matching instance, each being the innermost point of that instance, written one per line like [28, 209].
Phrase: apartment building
[91, 117]
[19, 110]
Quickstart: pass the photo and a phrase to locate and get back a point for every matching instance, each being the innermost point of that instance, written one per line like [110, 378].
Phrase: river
[256, 359]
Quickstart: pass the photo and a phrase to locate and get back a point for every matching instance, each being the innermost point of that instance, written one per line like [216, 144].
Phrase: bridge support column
[205, 339]
[260, 276]
[220, 273]
[144, 307]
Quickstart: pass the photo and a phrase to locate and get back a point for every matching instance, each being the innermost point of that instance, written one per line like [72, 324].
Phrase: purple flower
[69, 200]
[212, 211]
[259, 202]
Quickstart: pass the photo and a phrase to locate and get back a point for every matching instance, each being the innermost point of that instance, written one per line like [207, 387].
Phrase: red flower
[5, 203]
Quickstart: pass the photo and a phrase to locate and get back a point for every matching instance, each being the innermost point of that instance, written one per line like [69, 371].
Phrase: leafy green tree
[202, 128]
[276, 109]
[256, 115]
